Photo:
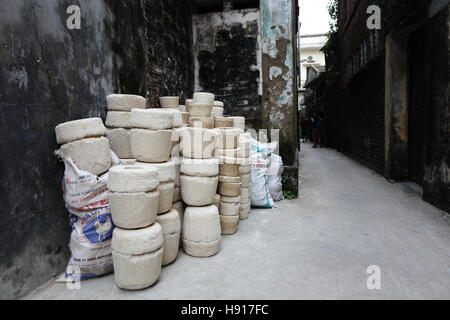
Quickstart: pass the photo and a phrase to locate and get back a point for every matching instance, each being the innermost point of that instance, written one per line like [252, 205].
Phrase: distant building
[315, 89]
[310, 55]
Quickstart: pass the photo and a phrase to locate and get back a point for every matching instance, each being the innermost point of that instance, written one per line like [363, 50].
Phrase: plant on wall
[333, 10]
[331, 47]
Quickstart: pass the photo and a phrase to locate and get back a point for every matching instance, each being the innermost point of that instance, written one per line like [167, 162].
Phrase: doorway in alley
[417, 101]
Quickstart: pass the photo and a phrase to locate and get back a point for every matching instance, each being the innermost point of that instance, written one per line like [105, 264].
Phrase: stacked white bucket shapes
[218, 109]
[119, 124]
[201, 224]
[239, 122]
[181, 120]
[137, 244]
[177, 203]
[201, 234]
[245, 174]
[200, 110]
[85, 143]
[171, 103]
[168, 217]
[223, 122]
[151, 145]
[229, 179]
[184, 115]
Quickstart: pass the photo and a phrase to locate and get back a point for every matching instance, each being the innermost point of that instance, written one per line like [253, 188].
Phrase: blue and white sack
[261, 197]
[86, 199]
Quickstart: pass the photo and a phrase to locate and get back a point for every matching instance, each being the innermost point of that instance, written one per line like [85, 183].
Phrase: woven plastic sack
[261, 197]
[86, 198]
[274, 179]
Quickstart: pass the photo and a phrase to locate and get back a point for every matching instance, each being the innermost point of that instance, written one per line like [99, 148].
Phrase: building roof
[314, 73]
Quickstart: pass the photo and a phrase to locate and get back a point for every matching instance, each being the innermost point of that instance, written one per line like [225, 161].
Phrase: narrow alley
[225, 150]
[346, 219]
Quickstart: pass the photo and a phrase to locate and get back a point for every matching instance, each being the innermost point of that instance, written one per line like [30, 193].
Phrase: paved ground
[316, 247]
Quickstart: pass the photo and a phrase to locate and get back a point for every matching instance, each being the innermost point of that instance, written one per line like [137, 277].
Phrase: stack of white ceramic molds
[223, 122]
[137, 244]
[168, 217]
[184, 115]
[239, 122]
[180, 121]
[178, 204]
[218, 109]
[151, 145]
[119, 124]
[84, 142]
[176, 150]
[200, 110]
[169, 102]
[229, 179]
[199, 179]
[245, 174]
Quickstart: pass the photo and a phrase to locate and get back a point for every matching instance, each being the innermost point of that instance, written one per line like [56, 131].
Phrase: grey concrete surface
[317, 247]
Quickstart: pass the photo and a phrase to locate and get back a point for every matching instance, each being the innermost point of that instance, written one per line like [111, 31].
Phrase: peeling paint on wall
[227, 54]
[278, 73]
[49, 75]
[275, 72]
[205, 27]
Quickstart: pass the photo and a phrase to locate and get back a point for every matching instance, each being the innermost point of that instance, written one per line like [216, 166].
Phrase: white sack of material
[274, 181]
[265, 149]
[261, 197]
[86, 199]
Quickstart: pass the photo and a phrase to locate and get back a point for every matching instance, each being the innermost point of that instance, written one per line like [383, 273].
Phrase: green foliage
[333, 10]
[288, 195]
[331, 47]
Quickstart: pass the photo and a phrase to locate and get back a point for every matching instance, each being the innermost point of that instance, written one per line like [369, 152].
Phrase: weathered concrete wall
[356, 106]
[396, 107]
[436, 186]
[228, 60]
[127, 35]
[278, 74]
[170, 66]
[370, 120]
[49, 75]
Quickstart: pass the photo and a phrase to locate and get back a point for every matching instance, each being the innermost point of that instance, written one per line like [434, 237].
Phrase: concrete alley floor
[317, 247]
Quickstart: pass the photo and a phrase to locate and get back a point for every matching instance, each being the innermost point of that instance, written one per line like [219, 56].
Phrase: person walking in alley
[317, 123]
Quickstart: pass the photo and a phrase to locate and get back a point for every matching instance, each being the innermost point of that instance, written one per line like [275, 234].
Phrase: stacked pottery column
[245, 169]
[172, 104]
[177, 203]
[118, 122]
[199, 180]
[200, 109]
[151, 145]
[218, 109]
[84, 142]
[245, 174]
[229, 179]
[239, 122]
[167, 216]
[181, 119]
[217, 112]
[137, 240]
